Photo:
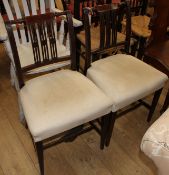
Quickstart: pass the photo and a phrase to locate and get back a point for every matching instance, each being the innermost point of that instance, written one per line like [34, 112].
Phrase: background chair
[139, 24]
[59, 101]
[123, 78]
[17, 9]
[157, 51]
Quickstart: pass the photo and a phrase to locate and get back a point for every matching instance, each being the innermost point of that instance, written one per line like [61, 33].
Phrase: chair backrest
[138, 7]
[43, 40]
[81, 4]
[108, 23]
[17, 9]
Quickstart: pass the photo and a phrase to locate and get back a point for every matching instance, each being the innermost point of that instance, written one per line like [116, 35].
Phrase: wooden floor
[81, 157]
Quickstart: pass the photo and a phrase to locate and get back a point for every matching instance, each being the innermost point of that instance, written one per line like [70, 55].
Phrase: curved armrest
[3, 32]
[76, 23]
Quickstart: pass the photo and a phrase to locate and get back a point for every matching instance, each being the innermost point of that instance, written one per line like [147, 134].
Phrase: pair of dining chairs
[61, 102]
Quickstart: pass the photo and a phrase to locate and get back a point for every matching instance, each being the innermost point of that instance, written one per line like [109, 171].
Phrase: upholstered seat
[54, 103]
[125, 79]
[155, 143]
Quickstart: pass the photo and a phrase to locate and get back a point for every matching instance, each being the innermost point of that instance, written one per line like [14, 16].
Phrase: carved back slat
[108, 26]
[46, 53]
[45, 30]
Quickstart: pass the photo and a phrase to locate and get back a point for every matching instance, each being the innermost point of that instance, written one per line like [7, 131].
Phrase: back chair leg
[110, 128]
[39, 150]
[104, 126]
[154, 104]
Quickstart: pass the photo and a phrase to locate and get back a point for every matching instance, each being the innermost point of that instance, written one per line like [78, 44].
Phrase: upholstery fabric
[27, 58]
[155, 143]
[59, 101]
[95, 38]
[3, 33]
[139, 25]
[125, 79]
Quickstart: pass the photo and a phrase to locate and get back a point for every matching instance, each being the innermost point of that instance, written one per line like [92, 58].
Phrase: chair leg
[141, 47]
[39, 150]
[110, 128]
[166, 103]
[154, 104]
[104, 126]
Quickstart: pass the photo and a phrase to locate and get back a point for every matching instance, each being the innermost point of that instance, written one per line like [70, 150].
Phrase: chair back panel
[138, 7]
[108, 27]
[44, 42]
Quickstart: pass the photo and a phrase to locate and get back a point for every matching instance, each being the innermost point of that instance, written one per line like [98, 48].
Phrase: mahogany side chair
[56, 102]
[123, 78]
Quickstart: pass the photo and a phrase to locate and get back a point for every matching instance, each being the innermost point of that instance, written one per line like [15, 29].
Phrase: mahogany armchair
[59, 101]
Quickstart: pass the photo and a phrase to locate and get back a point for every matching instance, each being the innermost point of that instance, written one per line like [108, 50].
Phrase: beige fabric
[139, 26]
[27, 58]
[59, 101]
[95, 38]
[125, 79]
[3, 33]
[155, 143]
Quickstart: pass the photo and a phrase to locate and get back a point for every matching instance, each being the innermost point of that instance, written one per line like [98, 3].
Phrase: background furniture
[59, 101]
[157, 51]
[139, 24]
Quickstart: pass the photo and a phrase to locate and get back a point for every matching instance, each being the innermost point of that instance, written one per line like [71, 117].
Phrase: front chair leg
[154, 104]
[104, 126]
[39, 150]
[110, 128]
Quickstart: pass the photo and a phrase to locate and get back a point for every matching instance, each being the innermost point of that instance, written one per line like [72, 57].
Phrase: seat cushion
[125, 79]
[59, 101]
[27, 58]
[139, 25]
[95, 38]
[155, 143]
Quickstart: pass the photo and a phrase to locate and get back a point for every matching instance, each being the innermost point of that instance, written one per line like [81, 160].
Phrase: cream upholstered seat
[155, 143]
[59, 101]
[125, 79]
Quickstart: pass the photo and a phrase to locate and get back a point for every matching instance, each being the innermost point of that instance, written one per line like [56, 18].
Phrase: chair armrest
[3, 32]
[76, 23]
